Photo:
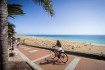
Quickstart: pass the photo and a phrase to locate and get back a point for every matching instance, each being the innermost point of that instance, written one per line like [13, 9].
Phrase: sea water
[95, 39]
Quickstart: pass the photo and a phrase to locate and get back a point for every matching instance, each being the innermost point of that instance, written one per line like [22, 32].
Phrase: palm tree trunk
[3, 35]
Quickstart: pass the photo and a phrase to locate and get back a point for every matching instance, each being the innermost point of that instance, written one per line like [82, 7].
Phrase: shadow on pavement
[52, 61]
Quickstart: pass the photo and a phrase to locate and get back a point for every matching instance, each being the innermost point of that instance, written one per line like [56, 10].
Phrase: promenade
[40, 59]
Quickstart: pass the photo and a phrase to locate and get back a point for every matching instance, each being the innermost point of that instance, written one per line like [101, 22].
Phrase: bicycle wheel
[52, 54]
[63, 57]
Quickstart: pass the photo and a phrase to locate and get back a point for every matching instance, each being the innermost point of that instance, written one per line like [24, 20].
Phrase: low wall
[93, 56]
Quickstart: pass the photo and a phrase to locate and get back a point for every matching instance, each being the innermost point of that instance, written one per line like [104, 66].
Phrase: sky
[72, 17]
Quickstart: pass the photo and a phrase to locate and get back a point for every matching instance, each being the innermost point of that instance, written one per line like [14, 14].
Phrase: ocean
[94, 39]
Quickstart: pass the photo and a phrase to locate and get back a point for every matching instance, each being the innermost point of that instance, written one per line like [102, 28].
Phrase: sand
[66, 45]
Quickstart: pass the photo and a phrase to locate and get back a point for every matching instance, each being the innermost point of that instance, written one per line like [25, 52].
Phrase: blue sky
[72, 17]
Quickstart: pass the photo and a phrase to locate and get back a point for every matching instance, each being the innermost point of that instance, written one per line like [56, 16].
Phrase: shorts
[59, 49]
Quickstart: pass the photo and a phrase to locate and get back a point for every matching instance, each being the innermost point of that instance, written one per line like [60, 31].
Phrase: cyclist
[58, 48]
[59, 52]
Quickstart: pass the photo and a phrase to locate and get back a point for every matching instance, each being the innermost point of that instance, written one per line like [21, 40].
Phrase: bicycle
[59, 54]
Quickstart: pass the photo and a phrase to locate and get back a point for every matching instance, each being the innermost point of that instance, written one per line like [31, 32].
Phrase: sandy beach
[66, 45]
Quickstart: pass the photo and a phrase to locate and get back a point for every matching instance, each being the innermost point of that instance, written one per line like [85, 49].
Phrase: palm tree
[46, 4]
[11, 32]
[13, 10]
[3, 35]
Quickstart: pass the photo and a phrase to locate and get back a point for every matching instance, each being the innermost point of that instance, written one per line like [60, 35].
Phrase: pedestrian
[18, 42]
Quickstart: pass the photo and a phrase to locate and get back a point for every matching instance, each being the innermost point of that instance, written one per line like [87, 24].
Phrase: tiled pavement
[40, 59]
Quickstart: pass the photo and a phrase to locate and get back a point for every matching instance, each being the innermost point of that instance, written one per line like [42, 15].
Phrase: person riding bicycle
[58, 48]
[58, 52]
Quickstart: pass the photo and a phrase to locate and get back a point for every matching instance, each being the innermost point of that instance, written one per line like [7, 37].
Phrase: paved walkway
[16, 62]
[40, 59]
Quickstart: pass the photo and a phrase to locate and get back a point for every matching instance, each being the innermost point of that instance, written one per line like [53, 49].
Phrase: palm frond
[46, 4]
[14, 10]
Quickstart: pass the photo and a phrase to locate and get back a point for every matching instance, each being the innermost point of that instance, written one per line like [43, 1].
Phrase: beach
[73, 46]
